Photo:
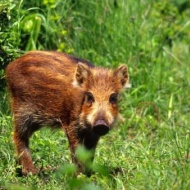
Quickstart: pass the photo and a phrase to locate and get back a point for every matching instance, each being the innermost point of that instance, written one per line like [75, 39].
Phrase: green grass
[151, 149]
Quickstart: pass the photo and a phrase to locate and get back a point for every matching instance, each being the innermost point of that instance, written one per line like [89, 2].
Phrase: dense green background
[151, 148]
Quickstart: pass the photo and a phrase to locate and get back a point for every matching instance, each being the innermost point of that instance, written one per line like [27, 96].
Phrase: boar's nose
[100, 127]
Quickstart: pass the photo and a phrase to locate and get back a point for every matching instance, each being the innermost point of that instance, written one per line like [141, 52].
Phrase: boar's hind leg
[23, 129]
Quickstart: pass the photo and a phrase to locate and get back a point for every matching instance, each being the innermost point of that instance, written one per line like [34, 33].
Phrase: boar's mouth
[100, 128]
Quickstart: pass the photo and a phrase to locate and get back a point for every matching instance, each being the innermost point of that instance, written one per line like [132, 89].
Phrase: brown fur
[61, 91]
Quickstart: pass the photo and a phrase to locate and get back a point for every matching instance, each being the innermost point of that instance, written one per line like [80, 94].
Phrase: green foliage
[43, 25]
[9, 37]
[151, 148]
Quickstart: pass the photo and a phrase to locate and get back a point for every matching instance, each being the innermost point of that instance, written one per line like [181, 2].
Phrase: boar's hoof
[100, 128]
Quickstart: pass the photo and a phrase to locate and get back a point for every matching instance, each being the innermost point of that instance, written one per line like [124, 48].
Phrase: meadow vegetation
[151, 148]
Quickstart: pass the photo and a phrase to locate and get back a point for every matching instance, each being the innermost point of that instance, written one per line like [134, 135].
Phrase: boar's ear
[81, 74]
[121, 74]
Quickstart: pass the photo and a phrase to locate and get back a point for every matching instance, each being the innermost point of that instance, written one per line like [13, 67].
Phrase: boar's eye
[113, 98]
[89, 97]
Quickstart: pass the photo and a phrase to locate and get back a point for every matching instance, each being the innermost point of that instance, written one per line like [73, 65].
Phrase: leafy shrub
[9, 36]
[43, 25]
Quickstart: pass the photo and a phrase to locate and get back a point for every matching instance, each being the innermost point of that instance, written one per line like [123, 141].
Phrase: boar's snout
[100, 127]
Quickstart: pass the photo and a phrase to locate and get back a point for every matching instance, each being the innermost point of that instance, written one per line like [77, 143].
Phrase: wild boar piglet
[61, 91]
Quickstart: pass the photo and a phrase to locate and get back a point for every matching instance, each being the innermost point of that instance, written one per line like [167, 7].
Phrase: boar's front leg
[84, 138]
[89, 141]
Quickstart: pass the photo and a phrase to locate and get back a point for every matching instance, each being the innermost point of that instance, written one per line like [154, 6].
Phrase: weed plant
[150, 149]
